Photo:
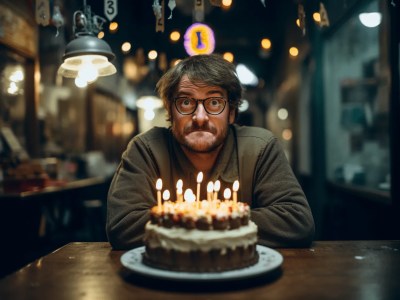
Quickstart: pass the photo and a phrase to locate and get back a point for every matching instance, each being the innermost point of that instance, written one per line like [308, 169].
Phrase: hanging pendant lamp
[87, 57]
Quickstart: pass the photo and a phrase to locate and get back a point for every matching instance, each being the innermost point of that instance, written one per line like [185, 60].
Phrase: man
[201, 95]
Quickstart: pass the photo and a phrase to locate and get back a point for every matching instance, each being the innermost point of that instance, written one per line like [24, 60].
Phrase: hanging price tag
[324, 16]
[171, 5]
[302, 18]
[110, 9]
[43, 12]
[159, 13]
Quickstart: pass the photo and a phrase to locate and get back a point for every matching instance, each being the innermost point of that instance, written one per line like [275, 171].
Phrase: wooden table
[328, 270]
[54, 188]
[31, 219]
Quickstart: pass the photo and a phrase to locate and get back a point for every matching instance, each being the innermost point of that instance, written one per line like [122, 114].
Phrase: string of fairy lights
[320, 18]
[199, 37]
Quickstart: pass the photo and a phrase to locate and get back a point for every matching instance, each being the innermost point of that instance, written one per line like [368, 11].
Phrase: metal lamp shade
[86, 49]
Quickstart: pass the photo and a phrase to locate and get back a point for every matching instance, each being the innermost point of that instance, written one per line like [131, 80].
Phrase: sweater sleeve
[130, 197]
[280, 208]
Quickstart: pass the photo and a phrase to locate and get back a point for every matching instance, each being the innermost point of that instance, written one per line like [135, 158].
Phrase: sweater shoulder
[152, 135]
[253, 134]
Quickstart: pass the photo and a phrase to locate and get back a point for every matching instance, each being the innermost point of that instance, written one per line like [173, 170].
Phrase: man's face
[200, 131]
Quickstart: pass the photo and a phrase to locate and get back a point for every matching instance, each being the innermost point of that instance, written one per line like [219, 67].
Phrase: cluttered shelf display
[196, 235]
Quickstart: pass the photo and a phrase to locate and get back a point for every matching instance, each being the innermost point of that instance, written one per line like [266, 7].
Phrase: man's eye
[186, 102]
[215, 102]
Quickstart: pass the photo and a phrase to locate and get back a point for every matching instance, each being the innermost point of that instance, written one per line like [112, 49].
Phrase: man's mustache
[195, 127]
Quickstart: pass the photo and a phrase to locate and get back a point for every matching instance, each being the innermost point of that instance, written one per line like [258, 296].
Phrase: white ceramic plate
[269, 260]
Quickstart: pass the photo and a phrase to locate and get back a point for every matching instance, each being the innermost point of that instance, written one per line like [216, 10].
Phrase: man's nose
[200, 115]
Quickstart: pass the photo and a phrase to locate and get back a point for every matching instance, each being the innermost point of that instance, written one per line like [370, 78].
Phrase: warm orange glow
[159, 187]
[126, 47]
[116, 129]
[235, 188]
[113, 27]
[287, 134]
[293, 51]
[317, 17]
[226, 3]
[298, 22]
[175, 36]
[174, 62]
[127, 128]
[152, 54]
[217, 186]
[266, 43]
[100, 35]
[199, 180]
[179, 186]
[228, 56]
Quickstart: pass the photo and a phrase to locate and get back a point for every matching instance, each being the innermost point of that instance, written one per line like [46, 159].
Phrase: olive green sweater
[251, 155]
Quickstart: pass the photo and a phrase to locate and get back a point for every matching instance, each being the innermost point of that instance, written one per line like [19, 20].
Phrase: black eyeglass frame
[225, 101]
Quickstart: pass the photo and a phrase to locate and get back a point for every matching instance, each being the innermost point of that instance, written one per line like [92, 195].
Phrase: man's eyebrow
[210, 92]
[183, 93]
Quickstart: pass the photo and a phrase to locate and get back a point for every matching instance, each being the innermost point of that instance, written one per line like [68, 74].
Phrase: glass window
[12, 93]
[356, 89]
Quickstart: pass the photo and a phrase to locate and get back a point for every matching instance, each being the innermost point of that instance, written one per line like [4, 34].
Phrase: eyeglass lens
[212, 105]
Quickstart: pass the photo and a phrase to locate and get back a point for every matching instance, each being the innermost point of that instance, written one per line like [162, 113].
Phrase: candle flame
[227, 194]
[179, 184]
[166, 195]
[235, 186]
[217, 186]
[159, 184]
[200, 177]
[189, 196]
[210, 187]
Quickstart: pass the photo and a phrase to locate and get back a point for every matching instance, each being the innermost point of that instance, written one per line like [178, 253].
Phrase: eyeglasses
[212, 105]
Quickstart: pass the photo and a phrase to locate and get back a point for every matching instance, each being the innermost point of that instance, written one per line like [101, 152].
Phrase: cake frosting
[204, 236]
[184, 240]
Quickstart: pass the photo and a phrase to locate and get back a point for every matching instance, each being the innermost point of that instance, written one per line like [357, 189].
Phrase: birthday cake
[200, 236]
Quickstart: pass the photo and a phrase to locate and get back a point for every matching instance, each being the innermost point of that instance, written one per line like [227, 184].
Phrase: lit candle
[227, 194]
[235, 188]
[189, 196]
[199, 180]
[210, 188]
[166, 195]
[217, 186]
[179, 186]
[159, 187]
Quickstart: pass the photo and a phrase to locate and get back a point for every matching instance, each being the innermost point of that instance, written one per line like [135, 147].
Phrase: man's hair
[210, 69]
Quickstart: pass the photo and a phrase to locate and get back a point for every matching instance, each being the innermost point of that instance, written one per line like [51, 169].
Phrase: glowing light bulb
[293, 51]
[371, 19]
[228, 56]
[175, 36]
[149, 114]
[88, 72]
[80, 82]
